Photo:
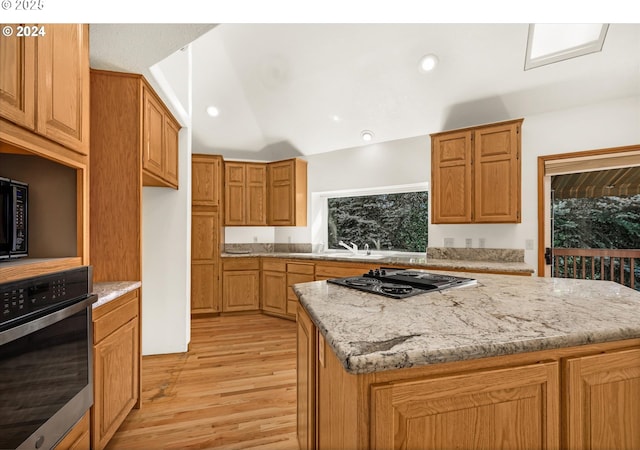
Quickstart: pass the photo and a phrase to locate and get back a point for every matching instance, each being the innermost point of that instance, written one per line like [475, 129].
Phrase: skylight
[550, 43]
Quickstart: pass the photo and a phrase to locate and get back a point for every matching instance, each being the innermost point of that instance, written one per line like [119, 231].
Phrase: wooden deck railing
[621, 266]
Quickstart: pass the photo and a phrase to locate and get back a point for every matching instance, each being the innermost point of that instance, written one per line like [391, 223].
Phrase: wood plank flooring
[234, 389]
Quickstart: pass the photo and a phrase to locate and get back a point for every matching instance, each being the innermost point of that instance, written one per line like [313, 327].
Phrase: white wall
[407, 161]
[166, 229]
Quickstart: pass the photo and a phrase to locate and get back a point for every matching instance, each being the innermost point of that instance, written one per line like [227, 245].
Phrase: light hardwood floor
[234, 389]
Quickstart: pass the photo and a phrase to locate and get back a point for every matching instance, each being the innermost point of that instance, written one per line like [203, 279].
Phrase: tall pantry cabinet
[206, 233]
[125, 135]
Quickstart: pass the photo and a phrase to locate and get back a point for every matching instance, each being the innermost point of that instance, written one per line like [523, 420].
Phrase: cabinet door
[281, 193]
[153, 122]
[63, 85]
[205, 180]
[204, 236]
[306, 380]
[603, 401]
[497, 174]
[205, 285]
[18, 79]
[78, 437]
[234, 194]
[274, 292]
[513, 408]
[256, 202]
[171, 130]
[451, 178]
[241, 290]
[292, 298]
[116, 362]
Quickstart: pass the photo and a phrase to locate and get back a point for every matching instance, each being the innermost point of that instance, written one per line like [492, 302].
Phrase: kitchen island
[511, 362]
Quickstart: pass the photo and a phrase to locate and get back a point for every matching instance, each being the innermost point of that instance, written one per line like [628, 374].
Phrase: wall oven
[45, 357]
[13, 218]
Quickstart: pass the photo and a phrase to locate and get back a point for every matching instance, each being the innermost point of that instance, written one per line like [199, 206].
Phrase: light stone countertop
[110, 290]
[500, 315]
[418, 261]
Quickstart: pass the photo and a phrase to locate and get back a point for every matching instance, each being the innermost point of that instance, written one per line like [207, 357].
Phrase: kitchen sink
[352, 256]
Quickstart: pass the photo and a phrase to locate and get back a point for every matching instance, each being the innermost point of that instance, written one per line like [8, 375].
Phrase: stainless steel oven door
[46, 383]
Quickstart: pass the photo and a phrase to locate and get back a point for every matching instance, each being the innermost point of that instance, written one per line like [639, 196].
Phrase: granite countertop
[500, 315]
[418, 260]
[110, 290]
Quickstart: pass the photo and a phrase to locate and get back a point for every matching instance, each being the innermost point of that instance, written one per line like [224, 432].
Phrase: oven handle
[41, 322]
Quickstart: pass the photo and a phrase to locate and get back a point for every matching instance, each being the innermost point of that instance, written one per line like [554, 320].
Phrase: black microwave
[14, 200]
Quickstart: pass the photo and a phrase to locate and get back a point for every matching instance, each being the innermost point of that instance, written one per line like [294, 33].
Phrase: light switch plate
[468, 242]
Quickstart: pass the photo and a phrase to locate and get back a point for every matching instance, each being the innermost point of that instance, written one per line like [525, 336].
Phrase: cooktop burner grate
[398, 283]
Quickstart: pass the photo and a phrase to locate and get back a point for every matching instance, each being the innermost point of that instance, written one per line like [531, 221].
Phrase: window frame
[395, 189]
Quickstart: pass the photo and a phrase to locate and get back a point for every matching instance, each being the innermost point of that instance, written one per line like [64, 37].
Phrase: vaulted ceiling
[310, 88]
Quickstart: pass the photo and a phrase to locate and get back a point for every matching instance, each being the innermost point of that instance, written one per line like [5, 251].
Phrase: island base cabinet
[512, 408]
[603, 401]
[306, 371]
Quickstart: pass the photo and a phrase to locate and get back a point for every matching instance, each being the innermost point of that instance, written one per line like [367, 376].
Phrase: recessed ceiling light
[367, 135]
[428, 62]
[213, 111]
[335, 117]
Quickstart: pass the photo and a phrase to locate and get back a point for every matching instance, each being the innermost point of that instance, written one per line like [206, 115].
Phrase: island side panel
[342, 403]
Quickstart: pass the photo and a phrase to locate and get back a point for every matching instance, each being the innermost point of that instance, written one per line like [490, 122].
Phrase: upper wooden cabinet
[206, 180]
[288, 193]
[475, 174]
[245, 193]
[261, 194]
[44, 83]
[153, 132]
[159, 142]
[18, 80]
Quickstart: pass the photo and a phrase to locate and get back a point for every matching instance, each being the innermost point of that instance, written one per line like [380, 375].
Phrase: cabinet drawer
[295, 278]
[325, 272]
[126, 310]
[241, 264]
[301, 268]
[274, 265]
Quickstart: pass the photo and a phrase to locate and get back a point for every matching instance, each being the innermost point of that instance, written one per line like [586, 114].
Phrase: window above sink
[395, 221]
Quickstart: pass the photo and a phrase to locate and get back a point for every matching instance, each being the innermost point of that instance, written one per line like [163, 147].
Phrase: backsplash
[476, 254]
[261, 247]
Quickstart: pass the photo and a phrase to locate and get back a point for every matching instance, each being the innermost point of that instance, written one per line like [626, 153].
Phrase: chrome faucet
[353, 249]
[366, 247]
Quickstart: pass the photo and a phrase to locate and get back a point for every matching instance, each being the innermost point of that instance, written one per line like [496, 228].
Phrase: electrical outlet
[529, 244]
[255, 239]
[481, 243]
[448, 242]
[468, 242]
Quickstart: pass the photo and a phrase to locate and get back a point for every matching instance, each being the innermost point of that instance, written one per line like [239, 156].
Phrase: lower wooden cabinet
[241, 285]
[512, 408]
[204, 288]
[584, 397]
[297, 272]
[116, 365]
[78, 437]
[306, 372]
[603, 401]
[274, 292]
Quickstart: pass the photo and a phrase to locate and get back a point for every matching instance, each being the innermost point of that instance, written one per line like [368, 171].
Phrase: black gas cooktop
[398, 283]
